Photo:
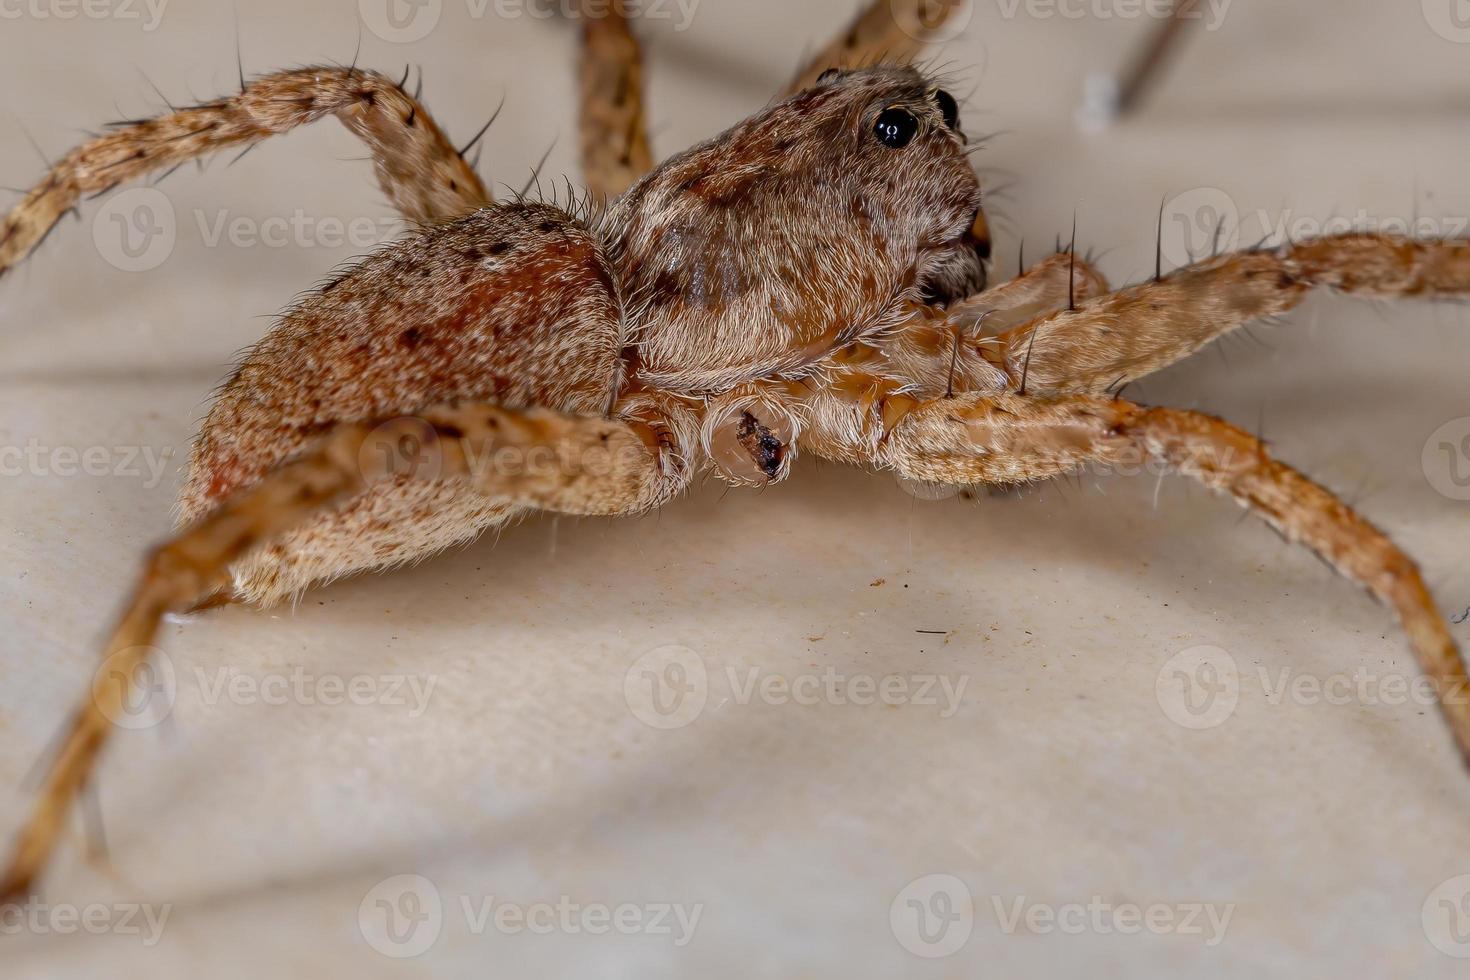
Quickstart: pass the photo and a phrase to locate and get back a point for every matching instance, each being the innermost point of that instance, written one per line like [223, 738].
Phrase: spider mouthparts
[749, 451]
[765, 450]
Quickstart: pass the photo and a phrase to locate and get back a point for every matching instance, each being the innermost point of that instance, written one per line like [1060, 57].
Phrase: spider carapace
[812, 280]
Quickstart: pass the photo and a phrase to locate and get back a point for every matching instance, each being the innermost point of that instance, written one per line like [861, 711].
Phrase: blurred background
[663, 748]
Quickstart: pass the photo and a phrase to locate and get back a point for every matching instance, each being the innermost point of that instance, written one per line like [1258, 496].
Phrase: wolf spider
[812, 280]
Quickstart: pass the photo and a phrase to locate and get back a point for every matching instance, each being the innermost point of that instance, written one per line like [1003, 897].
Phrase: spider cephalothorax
[809, 280]
[797, 232]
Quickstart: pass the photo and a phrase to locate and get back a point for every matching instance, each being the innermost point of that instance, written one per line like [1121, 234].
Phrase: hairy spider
[812, 280]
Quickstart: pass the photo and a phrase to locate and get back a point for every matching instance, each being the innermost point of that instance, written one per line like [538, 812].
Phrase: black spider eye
[896, 128]
[950, 108]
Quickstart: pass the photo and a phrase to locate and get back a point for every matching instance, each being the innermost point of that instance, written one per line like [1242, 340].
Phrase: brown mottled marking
[536, 325]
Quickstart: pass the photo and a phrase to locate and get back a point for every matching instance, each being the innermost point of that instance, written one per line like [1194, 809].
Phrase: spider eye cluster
[950, 108]
[896, 128]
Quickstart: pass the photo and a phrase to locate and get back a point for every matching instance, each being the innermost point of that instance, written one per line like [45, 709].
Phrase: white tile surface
[792, 827]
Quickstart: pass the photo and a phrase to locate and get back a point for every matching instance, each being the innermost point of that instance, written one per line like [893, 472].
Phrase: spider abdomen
[512, 304]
